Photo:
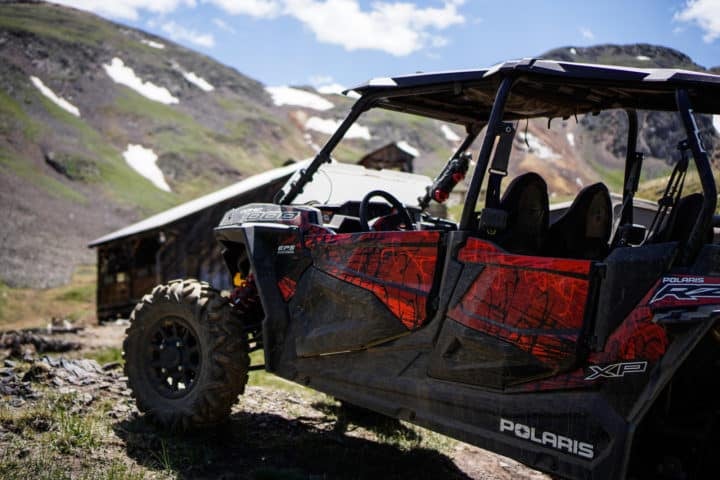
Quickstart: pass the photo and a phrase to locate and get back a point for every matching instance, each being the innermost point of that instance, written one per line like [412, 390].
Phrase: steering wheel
[400, 211]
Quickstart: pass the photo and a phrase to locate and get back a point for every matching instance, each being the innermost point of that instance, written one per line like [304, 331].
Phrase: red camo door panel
[535, 303]
[398, 267]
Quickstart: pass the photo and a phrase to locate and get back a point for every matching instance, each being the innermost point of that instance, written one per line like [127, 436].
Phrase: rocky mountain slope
[76, 92]
[101, 125]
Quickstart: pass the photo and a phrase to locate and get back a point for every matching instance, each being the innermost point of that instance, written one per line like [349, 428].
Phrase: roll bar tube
[633, 165]
[496, 115]
[707, 180]
[323, 156]
[363, 104]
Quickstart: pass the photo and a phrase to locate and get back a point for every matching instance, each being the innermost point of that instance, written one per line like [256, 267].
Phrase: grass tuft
[106, 355]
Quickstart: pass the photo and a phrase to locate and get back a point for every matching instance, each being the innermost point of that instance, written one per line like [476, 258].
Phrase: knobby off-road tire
[186, 356]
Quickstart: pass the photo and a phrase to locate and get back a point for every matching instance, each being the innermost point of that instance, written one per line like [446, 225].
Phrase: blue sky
[321, 42]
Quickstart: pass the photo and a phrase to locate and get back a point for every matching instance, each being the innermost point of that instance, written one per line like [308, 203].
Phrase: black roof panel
[544, 88]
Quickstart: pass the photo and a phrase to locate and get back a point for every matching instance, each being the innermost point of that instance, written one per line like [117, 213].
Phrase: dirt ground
[70, 415]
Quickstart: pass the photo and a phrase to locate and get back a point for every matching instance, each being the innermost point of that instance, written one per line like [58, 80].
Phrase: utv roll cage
[530, 88]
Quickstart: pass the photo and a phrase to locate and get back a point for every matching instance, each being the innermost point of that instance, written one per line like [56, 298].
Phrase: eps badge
[286, 249]
[615, 370]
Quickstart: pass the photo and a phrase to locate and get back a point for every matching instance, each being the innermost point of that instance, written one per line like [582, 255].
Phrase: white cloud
[705, 13]
[179, 33]
[316, 80]
[397, 28]
[254, 8]
[587, 33]
[223, 26]
[126, 9]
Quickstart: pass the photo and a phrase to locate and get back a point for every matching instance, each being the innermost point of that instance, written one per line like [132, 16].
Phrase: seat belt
[498, 168]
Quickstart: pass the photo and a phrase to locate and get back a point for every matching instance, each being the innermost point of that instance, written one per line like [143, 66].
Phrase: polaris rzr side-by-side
[586, 347]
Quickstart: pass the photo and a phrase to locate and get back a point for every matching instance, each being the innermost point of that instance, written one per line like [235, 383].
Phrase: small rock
[67, 391]
[38, 371]
[111, 366]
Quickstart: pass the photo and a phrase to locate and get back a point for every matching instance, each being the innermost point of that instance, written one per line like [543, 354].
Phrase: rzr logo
[686, 292]
[615, 370]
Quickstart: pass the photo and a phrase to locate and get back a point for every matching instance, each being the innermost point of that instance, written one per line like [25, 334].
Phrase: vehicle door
[511, 318]
[359, 289]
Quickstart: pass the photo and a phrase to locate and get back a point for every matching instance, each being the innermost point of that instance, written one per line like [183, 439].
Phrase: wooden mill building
[393, 156]
[176, 243]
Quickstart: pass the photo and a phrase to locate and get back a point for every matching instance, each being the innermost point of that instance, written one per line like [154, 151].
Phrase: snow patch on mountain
[144, 161]
[536, 146]
[126, 76]
[299, 98]
[198, 81]
[450, 136]
[331, 89]
[328, 126]
[309, 140]
[716, 123]
[152, 44]
[57, 100]
[570, 138]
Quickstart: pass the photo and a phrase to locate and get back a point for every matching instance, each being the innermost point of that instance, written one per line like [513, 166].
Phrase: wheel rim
[174, 357]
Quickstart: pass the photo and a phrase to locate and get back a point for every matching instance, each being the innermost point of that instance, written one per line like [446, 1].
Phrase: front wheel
[186, 356]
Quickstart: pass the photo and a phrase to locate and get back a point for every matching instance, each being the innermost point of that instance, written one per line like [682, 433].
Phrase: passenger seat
[681, 221]
[583, 231]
